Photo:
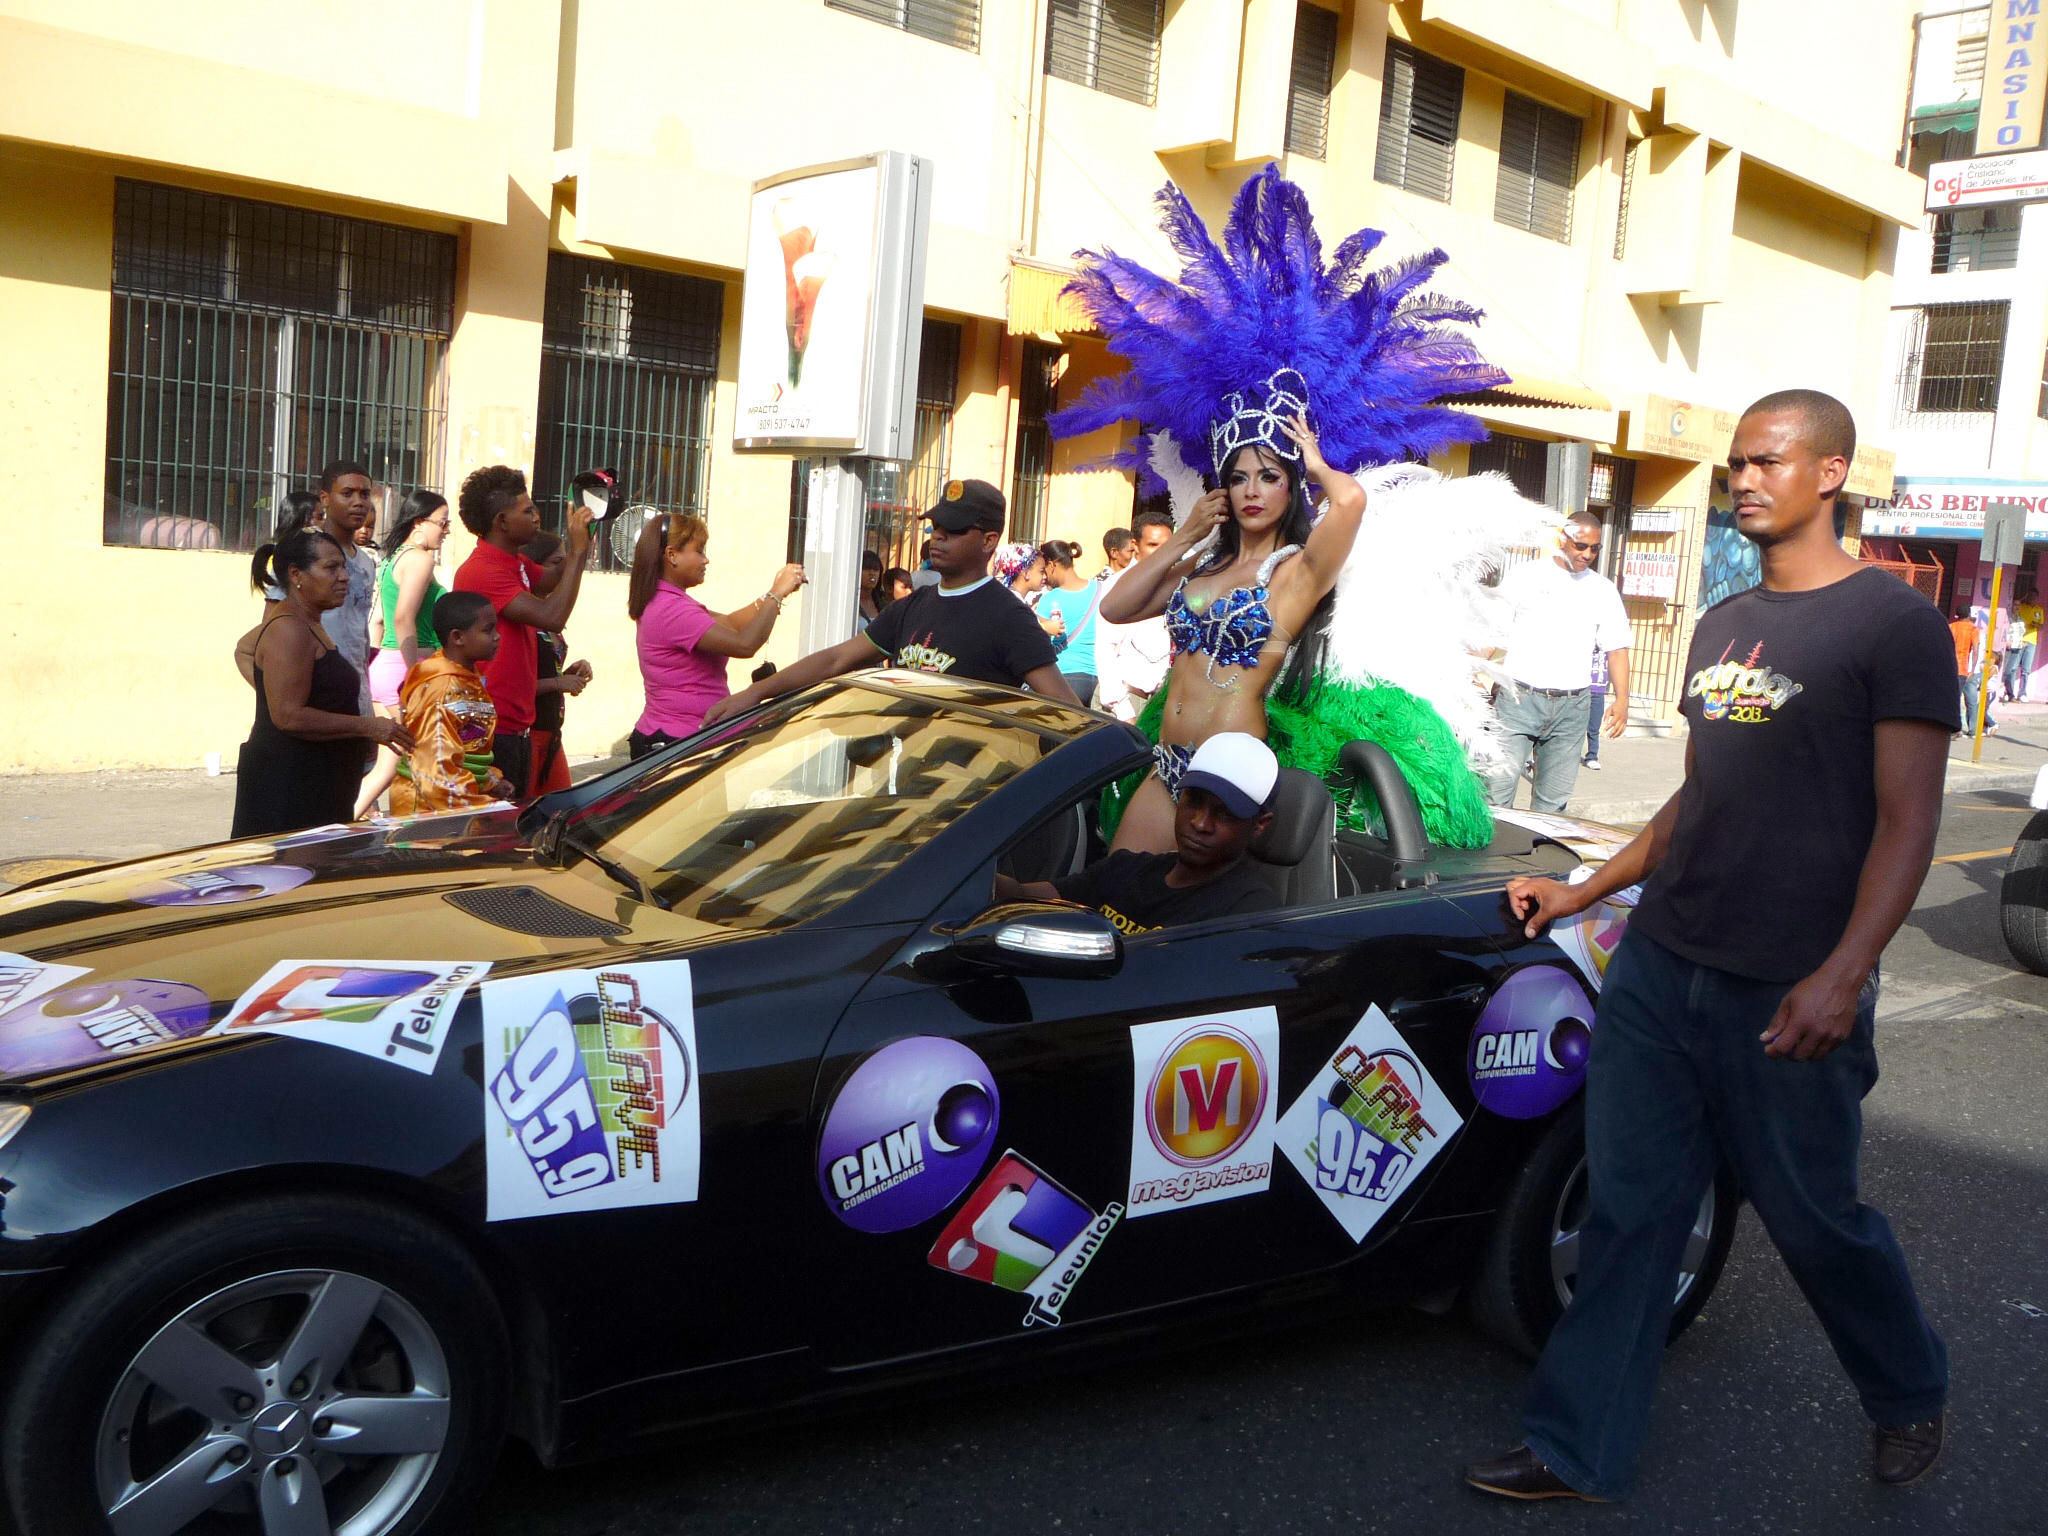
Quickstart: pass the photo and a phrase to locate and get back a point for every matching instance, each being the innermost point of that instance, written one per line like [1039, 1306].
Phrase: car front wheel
[283, 1366]
[1531, 1265]
[2023, 897]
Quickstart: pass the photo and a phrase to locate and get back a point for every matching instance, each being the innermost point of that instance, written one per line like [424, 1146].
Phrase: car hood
[144, 957]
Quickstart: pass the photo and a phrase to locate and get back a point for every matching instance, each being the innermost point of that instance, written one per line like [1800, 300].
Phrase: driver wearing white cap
[1226, 802]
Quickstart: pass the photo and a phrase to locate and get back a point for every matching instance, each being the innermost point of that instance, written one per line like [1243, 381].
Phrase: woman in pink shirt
[683, 645]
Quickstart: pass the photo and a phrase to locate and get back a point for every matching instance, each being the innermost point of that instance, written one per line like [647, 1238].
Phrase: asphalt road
[1359, 1425]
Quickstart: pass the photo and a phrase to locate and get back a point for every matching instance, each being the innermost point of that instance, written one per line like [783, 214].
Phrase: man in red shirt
[495, 506]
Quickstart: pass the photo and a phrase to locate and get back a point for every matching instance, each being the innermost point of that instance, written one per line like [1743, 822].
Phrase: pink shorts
[387, 675]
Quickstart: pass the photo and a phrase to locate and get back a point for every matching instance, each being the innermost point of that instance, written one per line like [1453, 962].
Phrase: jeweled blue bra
[1233, 629]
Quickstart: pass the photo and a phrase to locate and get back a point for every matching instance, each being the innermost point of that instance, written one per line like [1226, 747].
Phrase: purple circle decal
[89, 1022]
[220, 886]
[907, 1134]
[1531, 1044]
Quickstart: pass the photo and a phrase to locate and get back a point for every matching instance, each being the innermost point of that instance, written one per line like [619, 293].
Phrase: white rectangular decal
[1367, 1125]
[397, 1010]
[590, 1090]
[1202, 1108]
[23, 980]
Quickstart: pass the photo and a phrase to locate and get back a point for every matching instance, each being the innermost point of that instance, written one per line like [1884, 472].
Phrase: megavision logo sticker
[1202, 1117]
[1367, 1125]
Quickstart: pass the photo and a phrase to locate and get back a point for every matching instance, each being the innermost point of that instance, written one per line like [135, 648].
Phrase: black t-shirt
[547, 707]
[1783, 691]
[1130, 890]
[982, 633]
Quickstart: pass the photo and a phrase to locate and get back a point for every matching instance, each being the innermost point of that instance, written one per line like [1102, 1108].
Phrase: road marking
[1965, 858]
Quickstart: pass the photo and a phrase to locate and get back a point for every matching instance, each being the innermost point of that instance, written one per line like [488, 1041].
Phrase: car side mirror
[1028, 939]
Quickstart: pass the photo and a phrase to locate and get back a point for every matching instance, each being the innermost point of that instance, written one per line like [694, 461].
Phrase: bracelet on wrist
[770, 597]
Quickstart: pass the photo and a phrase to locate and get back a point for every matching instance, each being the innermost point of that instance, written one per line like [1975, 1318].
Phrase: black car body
[822, 871]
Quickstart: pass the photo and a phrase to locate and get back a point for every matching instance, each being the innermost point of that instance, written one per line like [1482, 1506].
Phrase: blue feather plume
[1376, 349]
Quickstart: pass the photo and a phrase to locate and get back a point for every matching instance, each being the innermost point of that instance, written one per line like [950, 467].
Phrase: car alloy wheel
[302, 1401]
[1571, 1213]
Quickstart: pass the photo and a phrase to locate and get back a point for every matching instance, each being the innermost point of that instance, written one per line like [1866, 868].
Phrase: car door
[1020, 1152]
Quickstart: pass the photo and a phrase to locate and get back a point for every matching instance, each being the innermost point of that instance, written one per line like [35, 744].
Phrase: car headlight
[12, 1118]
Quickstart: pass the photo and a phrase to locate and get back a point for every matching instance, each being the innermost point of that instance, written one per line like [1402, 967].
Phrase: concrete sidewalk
[56, 821]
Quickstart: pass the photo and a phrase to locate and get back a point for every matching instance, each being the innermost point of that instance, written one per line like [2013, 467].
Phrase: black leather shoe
[1908, 1453]
[1521, 1474]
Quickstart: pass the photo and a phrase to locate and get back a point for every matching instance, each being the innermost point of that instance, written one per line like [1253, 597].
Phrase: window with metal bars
[629, 360]
[1973, 36]
[1977, 239]
[1308, 83]
[1628, 187]
[1523, 460]
[899, 493]
[1037, 397]
[1420, 99]
[253, 344]
[1959, 349]
[955, 22]
[1539, 163]
[1106, 45]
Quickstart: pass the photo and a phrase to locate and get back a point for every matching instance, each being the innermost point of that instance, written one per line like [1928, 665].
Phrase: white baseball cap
[1237, 769]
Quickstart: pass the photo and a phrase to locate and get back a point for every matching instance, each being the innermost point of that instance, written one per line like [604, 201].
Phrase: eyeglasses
[1582, 546]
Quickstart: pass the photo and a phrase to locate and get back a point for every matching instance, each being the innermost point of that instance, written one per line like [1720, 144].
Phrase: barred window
[957, 22]
[1523, 460]
[1106, 45]
[899, 493]
[1420, 98]
[629, 358]
[1539, 163]
[1037, 391]
[1308, 84]
[1977, 239]
[1961, 349]
[253, 344]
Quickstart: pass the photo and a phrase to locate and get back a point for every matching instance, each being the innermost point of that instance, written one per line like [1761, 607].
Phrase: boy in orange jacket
[449, 711]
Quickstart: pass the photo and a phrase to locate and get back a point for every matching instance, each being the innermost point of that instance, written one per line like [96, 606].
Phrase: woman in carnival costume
[1277, 364]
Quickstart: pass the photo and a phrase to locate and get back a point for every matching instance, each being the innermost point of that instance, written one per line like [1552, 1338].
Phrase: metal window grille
[1954, 356]
[1628, 187]
[899, 493]
[1522, 460]
[629, 359]
[954, 22]
[1308, 82]
[1420, 98]
[1539, 163]
[1977, 239]
[1107, 45]
[1657, 625]
[1037, 391]
[252, 344]
[1972, 40]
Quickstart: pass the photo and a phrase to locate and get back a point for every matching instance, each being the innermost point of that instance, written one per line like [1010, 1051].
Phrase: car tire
[1523, 1280]
[227, 1304]
[2023, 897]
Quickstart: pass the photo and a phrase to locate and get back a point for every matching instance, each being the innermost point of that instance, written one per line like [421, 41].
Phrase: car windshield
[790, 817]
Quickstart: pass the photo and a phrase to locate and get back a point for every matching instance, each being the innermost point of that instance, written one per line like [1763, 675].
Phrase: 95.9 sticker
[590, 1091]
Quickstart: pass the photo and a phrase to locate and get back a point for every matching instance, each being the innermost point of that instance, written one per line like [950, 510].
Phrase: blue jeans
[1553, 726]
[2019, 666]
[1596, 716]
[1679, 1082]
[1970, 683]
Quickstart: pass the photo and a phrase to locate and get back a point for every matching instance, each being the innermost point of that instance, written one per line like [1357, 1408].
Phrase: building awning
[1528, 387]
[1945, 117]
[1038, 307]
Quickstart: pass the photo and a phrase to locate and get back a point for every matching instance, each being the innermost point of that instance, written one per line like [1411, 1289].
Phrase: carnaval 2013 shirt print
[590, 1091]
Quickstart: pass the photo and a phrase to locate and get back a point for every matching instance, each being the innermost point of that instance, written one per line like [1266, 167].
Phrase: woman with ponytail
[303, 761]
[1075, 599]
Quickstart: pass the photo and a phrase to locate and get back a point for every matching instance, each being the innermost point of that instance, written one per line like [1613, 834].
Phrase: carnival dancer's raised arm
[1143, 591]
[1329, 546]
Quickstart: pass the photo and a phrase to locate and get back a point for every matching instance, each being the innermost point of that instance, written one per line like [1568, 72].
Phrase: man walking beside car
[346, 506]
[1562, 611]
[1736, 1018]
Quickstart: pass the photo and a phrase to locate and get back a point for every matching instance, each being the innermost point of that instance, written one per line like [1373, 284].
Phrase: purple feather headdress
[1374, 352]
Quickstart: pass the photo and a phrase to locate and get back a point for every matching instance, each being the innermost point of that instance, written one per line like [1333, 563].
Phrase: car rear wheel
[2023, 897]
[1531, 1264]
[283, 1366]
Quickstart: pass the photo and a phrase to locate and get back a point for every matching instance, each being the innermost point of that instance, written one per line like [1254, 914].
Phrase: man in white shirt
[1562, 610]
[1131, 659]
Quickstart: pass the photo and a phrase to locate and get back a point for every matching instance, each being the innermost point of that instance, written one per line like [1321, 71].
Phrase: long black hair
[419, 505]
[295, 551]
[296, 510]
[1305, 663]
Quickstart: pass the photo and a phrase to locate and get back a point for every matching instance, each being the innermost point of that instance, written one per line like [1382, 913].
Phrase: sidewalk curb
[1963, 779]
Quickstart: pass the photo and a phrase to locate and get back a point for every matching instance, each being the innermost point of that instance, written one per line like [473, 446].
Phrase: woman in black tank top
[304, 759]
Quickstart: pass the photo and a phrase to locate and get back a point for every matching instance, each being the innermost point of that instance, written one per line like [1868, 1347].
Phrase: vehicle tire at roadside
[2023, 897]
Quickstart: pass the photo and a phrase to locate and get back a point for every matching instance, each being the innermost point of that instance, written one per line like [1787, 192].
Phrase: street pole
[834, 503]
[2004, 540]
[1990, 660]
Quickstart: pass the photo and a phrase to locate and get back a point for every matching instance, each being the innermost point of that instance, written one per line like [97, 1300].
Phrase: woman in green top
[406, 593]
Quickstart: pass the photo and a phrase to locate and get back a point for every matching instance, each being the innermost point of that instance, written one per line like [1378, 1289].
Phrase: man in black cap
[969, 625]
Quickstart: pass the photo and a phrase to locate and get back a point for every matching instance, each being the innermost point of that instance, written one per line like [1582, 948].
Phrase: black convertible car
[715, 1086]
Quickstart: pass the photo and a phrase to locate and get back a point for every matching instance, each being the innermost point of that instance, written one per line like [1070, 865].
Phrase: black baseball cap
[966, 504]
